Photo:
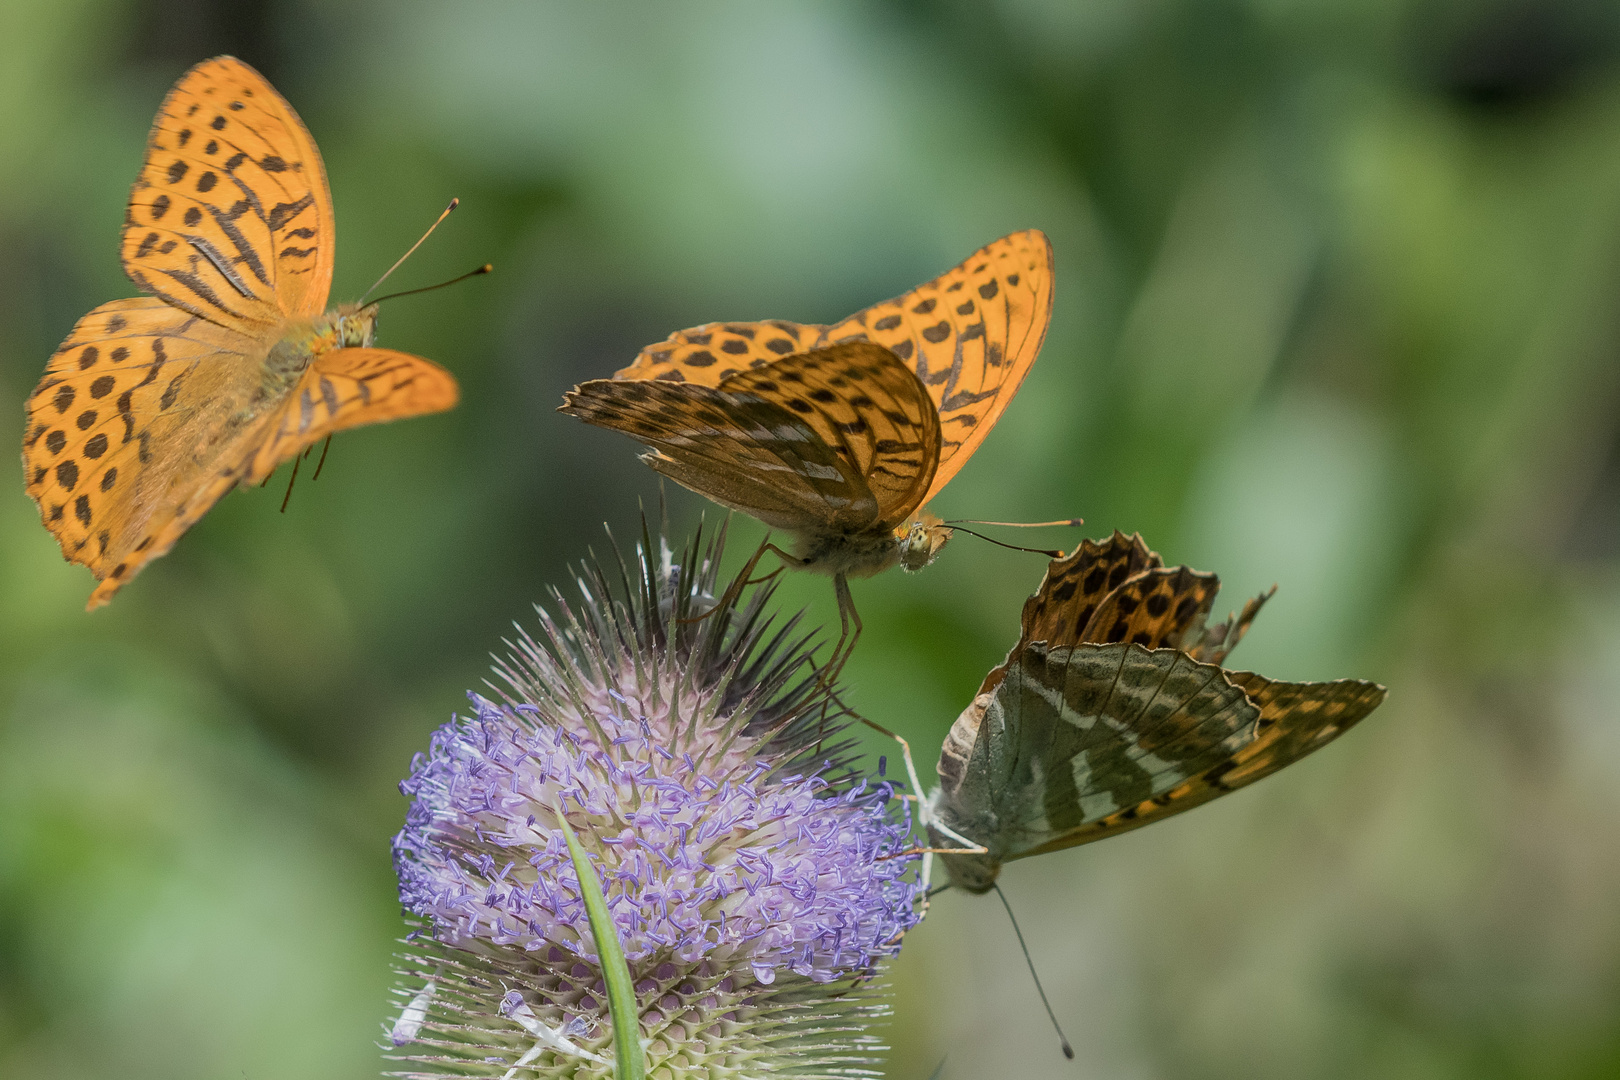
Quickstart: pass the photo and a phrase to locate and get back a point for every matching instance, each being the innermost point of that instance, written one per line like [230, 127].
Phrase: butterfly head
[356, 325]
[921, 540]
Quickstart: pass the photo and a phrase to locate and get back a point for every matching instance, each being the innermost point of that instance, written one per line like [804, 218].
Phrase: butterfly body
[911, 546]
[154, 407]
[1114, 711]
[347, 326]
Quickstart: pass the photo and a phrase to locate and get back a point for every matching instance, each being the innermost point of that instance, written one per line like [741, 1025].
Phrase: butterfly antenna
[1068, 1051]
[485, 269]
[1061, 522]
[939, 1071]
[1048, 552]
[321, 464]
[453, 204]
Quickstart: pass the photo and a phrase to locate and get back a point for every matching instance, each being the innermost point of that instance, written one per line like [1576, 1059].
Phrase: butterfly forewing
[1058, 612]
[230, 217]
[1295, 719]
[969, 335]
[839, 439]
[1156, 608]
[1075, 734]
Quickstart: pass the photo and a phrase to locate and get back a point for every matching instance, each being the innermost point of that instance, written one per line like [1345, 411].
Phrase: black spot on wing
[281, 213]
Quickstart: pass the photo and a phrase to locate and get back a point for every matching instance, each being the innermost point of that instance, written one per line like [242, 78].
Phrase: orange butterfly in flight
[841, 434]
[154, 408]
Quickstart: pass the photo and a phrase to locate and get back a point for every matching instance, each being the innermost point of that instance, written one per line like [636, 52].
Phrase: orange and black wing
[841, 439]
[230, 217]
[970, 335]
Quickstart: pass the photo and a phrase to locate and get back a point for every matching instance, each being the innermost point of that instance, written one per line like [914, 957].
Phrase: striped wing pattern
[230, 217]
[1075, 734]
[970, 335]
[1087, 759]
[841, 439]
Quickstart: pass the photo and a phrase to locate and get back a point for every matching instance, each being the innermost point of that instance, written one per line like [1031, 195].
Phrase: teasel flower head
[708, 769]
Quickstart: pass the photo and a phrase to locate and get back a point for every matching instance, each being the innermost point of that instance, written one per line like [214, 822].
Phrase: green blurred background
[1336, 308]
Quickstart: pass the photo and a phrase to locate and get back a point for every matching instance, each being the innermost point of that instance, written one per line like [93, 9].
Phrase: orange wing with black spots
[134, 407]
[839, 440]
[970, 335]
[230, 217]
[1059, 611]
[1155, 609]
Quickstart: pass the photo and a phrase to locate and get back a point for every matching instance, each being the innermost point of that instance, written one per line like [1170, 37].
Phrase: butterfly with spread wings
[154, 408]
[840, 435]
[1114, 710]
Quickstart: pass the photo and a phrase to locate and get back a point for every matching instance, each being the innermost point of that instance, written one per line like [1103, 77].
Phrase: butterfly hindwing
[865, 405]
[969, 335]
[1211, 644]
[134, 413]
[1295, 720]
[835, 439]
[230, 217]
[348, 388]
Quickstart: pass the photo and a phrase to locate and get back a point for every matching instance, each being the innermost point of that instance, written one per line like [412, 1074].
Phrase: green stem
[627, 1048]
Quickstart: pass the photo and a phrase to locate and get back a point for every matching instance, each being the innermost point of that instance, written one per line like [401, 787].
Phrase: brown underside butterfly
[1114, 710]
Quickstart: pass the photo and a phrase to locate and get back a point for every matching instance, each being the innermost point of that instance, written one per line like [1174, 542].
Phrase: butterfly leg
[789, 559]
[849, 626]
[297, 460]
[321, 464]
[924, 815]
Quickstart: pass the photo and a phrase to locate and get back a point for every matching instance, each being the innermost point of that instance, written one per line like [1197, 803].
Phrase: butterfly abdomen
[856, 555]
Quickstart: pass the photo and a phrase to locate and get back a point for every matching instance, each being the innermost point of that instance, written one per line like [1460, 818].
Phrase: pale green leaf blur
[1338, 307]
